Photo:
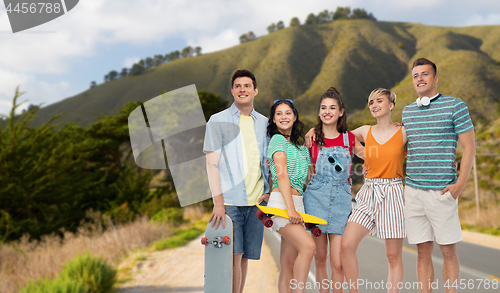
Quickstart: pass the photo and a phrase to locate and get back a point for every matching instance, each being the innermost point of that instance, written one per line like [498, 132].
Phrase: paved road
[479, 266]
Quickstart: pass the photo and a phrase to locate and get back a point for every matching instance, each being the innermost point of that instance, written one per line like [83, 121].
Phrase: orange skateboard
[265, 213]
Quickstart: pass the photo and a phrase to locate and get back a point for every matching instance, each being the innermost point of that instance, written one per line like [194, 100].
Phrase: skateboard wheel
[267, 222]
[309, 226]
[204, 241]
[260, 214]
[227, 240]
[316, 231]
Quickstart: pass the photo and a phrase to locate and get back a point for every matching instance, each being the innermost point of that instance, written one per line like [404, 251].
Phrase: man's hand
[350, 181]
[455, 190]
[264, 197]
[218, 214]
[309, 138]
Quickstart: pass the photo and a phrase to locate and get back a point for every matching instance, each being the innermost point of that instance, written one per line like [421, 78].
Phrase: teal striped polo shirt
[432, 141]
[298, 161]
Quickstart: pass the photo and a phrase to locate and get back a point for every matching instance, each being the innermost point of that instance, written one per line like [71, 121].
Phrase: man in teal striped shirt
[434, 125]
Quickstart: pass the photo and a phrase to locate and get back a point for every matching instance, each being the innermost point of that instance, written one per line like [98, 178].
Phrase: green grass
[140, 257]
[181, 236]
[495, 231]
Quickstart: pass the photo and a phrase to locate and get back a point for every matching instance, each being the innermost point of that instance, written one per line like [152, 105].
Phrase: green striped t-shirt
[298, 161]
[432, 141]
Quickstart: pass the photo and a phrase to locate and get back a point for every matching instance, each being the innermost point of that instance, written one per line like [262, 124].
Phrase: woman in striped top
[289, 165]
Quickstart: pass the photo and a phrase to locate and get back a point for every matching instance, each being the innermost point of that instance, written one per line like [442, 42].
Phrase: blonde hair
[382, 92]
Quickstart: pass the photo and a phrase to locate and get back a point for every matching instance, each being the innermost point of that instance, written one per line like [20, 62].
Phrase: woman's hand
[294, 217]
[309, 138]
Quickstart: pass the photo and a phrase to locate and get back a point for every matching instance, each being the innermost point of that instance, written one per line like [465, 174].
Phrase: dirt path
[181, 270]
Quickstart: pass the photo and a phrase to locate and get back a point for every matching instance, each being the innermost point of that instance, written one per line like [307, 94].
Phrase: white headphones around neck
[424, 101]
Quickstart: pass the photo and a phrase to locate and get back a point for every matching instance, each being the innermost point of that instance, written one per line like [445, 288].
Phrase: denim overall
[328, 194]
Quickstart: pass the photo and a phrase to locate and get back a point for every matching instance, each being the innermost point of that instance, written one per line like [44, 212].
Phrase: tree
[271, 28]
[112, 75]
[142, 64]
[50, 177]
[187, 52]
[250, 36]
[93, 84]
[211, 103]
[243, 38]
[359, 13]
[136, 69]
[311, 19]
[342, 13]
[124, 72]
[149, 63]
[175, 55]
[31, 107]
[158, 60]
[106, 78]
[295, 21]
[197, 51]
[324, 16]
[279, 26]
[166, 58]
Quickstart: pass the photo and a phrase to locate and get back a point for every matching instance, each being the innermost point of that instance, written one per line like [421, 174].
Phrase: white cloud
[36, 92]
[225, 39]
[490, 19]
[131, 61]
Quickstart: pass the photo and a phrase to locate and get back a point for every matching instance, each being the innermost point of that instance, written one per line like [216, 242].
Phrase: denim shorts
[329, 199]
[248, 231]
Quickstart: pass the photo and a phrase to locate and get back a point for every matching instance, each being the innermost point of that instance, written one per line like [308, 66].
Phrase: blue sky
[59, 59]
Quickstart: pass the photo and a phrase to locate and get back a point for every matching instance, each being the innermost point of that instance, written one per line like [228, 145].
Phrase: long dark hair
[297, 126]
[331, 93]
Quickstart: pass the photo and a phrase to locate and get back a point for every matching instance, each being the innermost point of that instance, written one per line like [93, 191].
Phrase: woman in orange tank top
[380, 202]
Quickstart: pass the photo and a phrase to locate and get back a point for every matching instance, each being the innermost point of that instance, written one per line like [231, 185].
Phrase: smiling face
[425, 81]
[380, 106]
[329, 111]
[284, 118]
[243, 91]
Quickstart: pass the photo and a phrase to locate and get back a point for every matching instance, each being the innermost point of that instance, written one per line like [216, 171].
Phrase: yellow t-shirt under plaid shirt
[252, 171]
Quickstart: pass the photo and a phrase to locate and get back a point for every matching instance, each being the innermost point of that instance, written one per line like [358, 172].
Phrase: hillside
[355, 56]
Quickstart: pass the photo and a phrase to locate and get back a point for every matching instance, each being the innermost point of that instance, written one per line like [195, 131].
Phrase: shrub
[93, 272]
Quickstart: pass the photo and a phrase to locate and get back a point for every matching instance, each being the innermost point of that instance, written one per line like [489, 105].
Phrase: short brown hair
[244, 73]
[424, 61]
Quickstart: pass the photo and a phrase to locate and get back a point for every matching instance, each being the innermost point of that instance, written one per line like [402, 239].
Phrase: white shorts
[430, 215]
[276, 201]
